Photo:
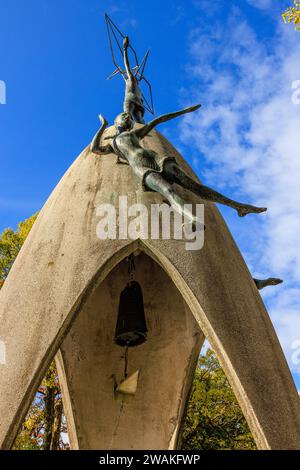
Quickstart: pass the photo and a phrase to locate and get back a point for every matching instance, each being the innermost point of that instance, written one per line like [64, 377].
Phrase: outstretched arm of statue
[95, 145]
[143, 131]
[126, 59]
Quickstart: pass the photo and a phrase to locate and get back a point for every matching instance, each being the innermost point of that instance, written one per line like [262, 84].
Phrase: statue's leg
[156, 182]
[180, 177]
[131, 108]
[137, 116]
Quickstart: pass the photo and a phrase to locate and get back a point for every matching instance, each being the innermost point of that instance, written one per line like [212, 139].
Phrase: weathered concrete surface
[62, 262]
[150, 419]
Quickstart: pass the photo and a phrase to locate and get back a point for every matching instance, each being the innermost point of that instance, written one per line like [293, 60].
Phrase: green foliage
[292, 15]
[44, 424]
[10, 245]
[214, 420]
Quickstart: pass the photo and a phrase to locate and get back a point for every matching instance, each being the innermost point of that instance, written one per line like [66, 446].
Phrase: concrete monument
[61, 300]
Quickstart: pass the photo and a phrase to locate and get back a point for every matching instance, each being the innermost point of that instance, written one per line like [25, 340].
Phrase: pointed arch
[90, 365]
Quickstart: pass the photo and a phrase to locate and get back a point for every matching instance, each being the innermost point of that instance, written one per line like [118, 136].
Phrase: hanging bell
[131, 328]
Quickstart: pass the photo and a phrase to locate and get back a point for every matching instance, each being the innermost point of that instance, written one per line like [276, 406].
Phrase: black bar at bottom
[132, 459]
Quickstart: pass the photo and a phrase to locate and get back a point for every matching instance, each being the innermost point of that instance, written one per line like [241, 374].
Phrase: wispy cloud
[23, 207]
[248, 139]
[122, 9]
[261, 4]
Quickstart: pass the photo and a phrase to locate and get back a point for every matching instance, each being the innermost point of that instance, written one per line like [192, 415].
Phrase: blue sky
[235, 57]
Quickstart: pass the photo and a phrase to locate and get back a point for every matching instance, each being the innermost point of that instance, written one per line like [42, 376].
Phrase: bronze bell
[131, 329]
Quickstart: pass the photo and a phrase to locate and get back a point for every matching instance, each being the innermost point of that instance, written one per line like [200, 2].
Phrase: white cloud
[261, 4]
[248, 137]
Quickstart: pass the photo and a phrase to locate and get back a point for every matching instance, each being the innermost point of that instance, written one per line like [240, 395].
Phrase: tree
[214, 419]
[45, 422]
[292, 15]
[10, 245]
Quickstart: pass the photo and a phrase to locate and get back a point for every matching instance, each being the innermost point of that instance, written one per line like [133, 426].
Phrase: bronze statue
[133, 101]
[159, 172]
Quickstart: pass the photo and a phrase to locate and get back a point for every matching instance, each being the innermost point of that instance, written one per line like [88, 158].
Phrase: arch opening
[90, 364]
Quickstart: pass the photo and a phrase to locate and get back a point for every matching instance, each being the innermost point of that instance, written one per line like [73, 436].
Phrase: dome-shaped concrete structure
[62, 292]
